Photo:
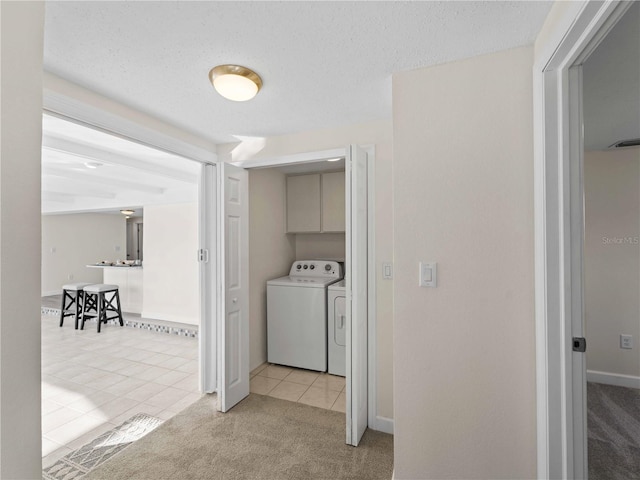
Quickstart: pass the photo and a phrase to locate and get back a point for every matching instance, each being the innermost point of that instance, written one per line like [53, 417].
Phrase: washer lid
[308, 282]
[340, 286]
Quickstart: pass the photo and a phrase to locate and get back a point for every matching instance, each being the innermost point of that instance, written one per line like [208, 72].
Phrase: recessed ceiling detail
[88, 170]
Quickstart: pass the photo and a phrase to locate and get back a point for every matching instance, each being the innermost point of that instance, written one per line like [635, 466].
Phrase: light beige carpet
[260, 438]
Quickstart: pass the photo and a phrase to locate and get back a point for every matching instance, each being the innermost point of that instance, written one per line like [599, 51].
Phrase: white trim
[558, 259]
[306, 157]
[382, 424]
[83, 112]
[617, 379]
[207, 237]
[187, 321]
[52, 292]
[375, 422]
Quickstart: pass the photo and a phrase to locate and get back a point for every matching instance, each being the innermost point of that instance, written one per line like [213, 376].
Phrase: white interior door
[356, 293]
[233, 281]
[207, 224]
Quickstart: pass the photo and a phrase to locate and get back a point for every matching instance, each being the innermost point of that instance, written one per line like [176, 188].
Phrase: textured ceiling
[611, 85]
[324, 64]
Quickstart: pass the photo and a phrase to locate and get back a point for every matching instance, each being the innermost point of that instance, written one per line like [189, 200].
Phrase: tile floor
[304, 386]
[92, 382]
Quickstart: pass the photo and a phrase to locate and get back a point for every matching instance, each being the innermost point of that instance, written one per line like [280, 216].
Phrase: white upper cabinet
[303, 204]
[333, 206]
[316, 203]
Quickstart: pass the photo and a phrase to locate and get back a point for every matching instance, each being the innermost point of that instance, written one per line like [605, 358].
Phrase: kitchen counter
[114, 266]
[129, 280]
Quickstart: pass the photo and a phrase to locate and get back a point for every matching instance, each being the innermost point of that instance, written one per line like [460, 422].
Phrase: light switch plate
[428, 275]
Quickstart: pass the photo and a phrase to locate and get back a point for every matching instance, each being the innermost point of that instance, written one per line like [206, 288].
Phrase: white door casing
[207, 225]
[356, 293]
[233, 286]
[559, 225]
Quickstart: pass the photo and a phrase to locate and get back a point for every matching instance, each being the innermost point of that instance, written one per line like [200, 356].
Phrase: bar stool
[95, 300]
[72, 295]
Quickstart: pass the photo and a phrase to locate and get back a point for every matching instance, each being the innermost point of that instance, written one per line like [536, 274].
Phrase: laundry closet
[297, 234]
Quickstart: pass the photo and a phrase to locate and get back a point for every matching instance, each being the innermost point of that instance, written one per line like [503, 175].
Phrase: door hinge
[579, 344]
[203, 255]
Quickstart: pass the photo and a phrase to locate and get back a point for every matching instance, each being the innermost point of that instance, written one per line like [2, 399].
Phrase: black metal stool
[96, 304]
[72, 301]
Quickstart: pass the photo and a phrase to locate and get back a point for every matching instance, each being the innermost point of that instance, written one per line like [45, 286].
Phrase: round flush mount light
[127, 213]
[92, 164]
[235, 82]
[334, 159]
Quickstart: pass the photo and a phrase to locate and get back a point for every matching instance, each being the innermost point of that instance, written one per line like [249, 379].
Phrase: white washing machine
[297, 314]
[337, 319]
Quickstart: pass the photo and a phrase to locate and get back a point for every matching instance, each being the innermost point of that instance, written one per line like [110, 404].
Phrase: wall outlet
[626, 341]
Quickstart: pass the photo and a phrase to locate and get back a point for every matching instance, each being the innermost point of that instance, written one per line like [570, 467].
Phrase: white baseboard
[170, 318]
[613, 379]
[51, 292]
[383, 424]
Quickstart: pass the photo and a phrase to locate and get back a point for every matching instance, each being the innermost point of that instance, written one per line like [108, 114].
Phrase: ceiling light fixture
[334, 159]
[92, 164]
[127, 213]
[235, 82]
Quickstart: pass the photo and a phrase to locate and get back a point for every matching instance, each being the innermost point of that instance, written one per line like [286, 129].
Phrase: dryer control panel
[316, 268]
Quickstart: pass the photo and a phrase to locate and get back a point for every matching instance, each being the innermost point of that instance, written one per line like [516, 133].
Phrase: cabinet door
[333, 206]
[303, 203]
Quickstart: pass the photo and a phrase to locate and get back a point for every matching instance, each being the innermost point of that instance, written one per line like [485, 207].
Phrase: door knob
[235, 300]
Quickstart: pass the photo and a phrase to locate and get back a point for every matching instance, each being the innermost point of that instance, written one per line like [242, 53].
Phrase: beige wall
[464, 352]
[271, 252]
[171, 275]
[320, 245]
[612, 259]
[78, 240]
[379, 134]
[21, 40]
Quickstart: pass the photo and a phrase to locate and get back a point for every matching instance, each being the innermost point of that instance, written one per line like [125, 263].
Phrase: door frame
[559, 225]
[62, 99]
[374, 421]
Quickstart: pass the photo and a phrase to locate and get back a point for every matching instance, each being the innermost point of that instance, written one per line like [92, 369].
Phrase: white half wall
[21, 42]
[171, 271]
[71, 242]
[464, 352]
[271, 252]
[612, 260]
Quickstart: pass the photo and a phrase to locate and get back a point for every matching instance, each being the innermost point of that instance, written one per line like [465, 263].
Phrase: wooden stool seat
[72, 301]
[98, 300]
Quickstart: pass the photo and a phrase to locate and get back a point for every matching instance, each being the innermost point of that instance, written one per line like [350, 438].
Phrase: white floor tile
[171, 377]
[92, 382]
[167, 398]
[73, 429]
[145, 391]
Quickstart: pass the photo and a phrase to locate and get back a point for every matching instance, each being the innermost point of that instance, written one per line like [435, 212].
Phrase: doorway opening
[359, 280]
[92, 382]
[297, 214]
[611, 254]
[560, 233]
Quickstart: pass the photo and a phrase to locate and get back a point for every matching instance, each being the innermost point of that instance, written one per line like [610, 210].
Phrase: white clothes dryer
[297, 314]
[337, 318]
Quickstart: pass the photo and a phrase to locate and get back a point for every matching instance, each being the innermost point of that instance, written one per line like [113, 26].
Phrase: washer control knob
[306, 266]
[312, 266]
[299, 267]
[327, 267]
